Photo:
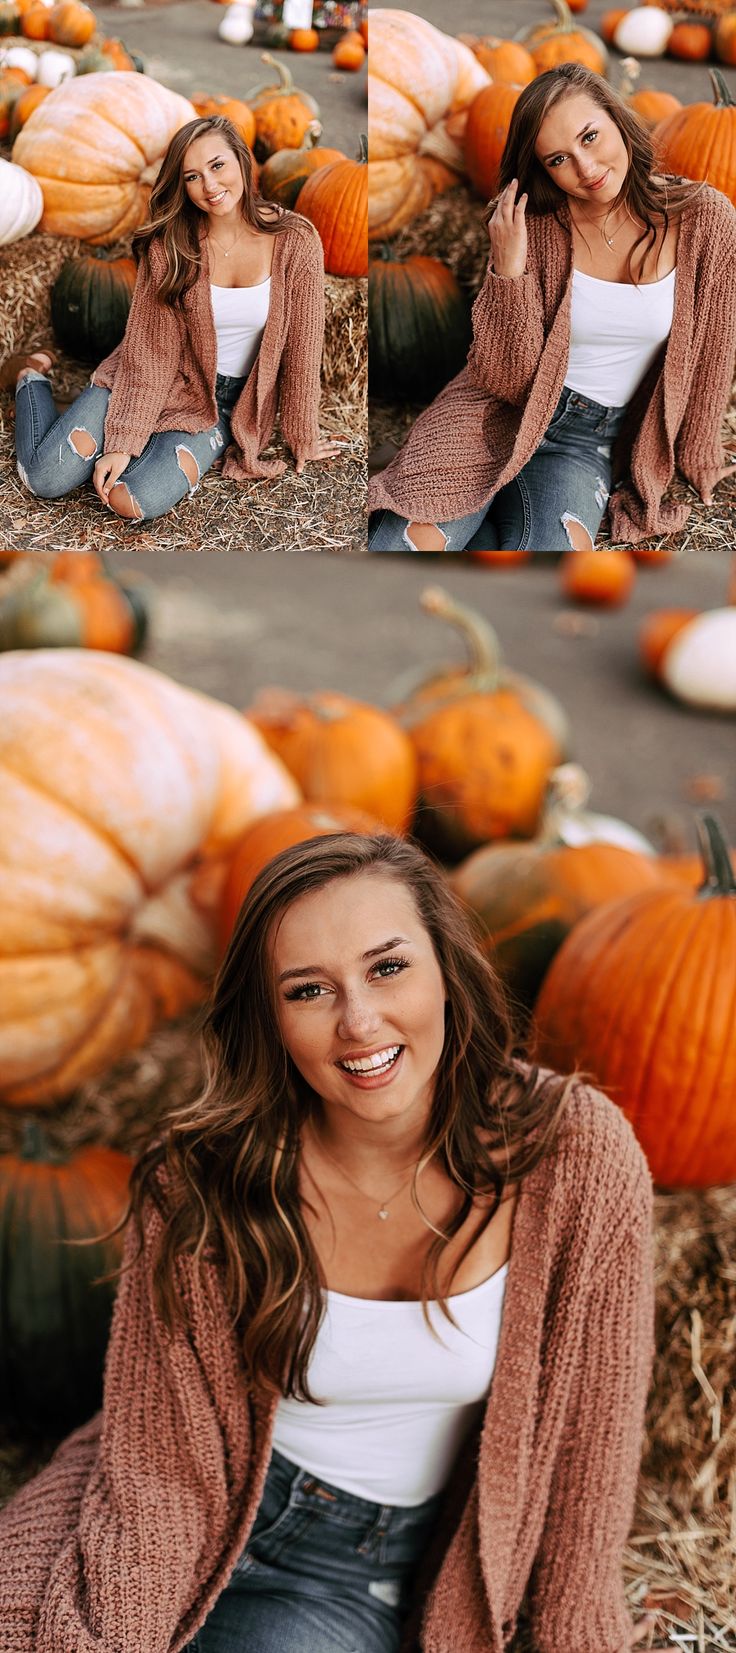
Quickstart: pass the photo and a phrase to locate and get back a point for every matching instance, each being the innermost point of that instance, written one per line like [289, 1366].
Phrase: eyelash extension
[301, 989]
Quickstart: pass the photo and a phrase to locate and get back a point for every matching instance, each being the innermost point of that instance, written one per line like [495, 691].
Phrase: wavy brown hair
[231, 1158]
[175, 221]
[650, 200]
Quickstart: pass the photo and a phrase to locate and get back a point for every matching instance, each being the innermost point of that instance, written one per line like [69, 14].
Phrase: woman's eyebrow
[317, 969]
[554, 152]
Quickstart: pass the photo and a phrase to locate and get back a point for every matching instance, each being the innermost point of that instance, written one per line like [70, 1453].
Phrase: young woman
[227, 320]
[603, 346]
[382, 1341]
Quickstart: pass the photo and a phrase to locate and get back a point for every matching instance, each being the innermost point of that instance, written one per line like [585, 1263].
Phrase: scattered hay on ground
[452, 229]
[681, 1553]
[321, 510]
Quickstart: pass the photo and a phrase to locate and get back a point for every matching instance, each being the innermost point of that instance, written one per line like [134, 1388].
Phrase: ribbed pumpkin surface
[95, 145]
[643, 996]
[54, 1322]
[699, 141]
[335, 200]
[90, 302]
[419, 328]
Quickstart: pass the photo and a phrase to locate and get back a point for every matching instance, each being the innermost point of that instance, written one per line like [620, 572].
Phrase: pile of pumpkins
[440, 109]
[348, 53]
[692, 32]
[83, 165]
[69, 599]
[134, 815]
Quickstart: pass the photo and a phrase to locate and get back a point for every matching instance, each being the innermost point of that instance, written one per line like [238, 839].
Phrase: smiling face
[582, 151]
[360, 999]
[212, 176]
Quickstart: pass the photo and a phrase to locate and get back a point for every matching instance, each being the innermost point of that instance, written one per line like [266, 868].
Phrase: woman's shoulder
[597, 1161]
[712, 214]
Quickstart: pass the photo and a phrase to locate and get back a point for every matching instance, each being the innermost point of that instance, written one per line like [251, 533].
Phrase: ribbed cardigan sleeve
[698, 446]
[301, 361]
[155, 1507]
[576, 1596]
[149, 357]
[508, 336]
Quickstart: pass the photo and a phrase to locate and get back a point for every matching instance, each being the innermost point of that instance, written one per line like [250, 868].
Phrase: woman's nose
[359, 1017]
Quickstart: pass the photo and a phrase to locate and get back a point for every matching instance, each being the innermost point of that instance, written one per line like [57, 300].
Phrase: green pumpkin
[90, 301]
[419, 328]
[40, 616]
[9, 17]
[54, 1320]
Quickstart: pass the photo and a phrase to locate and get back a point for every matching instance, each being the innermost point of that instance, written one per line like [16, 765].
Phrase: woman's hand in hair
[107, 471]
[507, 233]
[328, 447]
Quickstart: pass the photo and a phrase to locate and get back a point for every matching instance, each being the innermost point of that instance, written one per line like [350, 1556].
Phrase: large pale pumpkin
[122, 796]
[96, 149]
[641, 995]
[420, 84]
[21, 203]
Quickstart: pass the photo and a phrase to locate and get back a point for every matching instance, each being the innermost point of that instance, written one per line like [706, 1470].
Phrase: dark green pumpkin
[90, 301]
[54, 1320]
[419, 328]
[9, 18]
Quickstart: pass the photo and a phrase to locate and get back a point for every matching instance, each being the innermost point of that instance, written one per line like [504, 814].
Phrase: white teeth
[213, 198]
[377, 1063]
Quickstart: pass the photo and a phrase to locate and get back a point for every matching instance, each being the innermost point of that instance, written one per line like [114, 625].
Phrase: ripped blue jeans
[170, 466]
[567, 480]
[322, 1572]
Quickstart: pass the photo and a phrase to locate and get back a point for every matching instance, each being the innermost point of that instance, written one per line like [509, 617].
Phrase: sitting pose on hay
[381, 1346]
[227, 320]
[603, 345]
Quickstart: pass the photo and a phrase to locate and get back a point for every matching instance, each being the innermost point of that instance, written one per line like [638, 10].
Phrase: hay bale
[29, 268]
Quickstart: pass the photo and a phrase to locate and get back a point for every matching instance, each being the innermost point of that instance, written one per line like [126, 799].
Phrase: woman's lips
[374, 1081]
[599, 182]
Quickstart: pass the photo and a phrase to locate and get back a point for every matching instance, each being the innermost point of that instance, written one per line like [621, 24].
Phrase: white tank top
[616, 331]
[398, 1400]
[240, 315]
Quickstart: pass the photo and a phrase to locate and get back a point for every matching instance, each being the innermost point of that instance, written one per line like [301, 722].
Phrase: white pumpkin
[644, 32]
[55, 67]
[20, 57]
[566, 819]
[21, 202]
[699, 666]
[237, 25]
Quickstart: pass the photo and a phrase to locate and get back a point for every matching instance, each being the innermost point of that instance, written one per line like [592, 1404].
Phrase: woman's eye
[390, 967]
[306, 991]
[590, 135]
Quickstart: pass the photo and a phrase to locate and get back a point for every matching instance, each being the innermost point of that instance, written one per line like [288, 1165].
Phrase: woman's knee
[43, 482]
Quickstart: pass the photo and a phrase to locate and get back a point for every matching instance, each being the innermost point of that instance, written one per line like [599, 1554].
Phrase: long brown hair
[648, 198]
[175, 221]
[231, 1157]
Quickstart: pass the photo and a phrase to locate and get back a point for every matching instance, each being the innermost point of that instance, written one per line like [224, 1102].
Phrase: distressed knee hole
[424, 536]
[122, 502]
[216, 440]
[83, 443]
[577, 532]
[189, 466]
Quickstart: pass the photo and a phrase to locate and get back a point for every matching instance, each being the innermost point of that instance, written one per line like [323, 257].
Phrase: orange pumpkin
[724, 38]
[24, 106]
[641, 996]
[610, 22]
[283, 113]
[335, 200]
[487, 129]
[528, 897]
[349, 53]
[304, 40]
[341, 752]
[500, 559]
[486, 740]
[653, 106]
[699, 141]
[506, 61]
[284, 174]
[35, 22]
[242, 117]
[71, 23]
[564, 41]
[691, 41]
[118, 54]
[653, 559]
[605, 577]
[656, 634]
[577, 5]
[122, 797]
[363, 31]
[273, 833]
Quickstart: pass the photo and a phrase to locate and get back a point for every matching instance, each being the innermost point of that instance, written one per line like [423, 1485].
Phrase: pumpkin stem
[567, 791]
[363, 156]
[484, 649]
[35, 1144]
[719, 877]
[283, 83]
[630, 72]
[721, 92]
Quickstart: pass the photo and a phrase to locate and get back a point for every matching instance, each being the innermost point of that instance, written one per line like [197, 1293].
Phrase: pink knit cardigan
[162, 376]
[124, 1541]
[485, 425]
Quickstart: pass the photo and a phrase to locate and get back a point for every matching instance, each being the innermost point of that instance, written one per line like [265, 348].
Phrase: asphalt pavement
[230, 625]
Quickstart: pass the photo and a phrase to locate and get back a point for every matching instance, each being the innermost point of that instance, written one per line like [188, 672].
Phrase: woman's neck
[393, 1144]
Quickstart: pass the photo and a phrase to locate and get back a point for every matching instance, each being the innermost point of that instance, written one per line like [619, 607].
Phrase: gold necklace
[233, 244]
[383, 1212]
[609, 239]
